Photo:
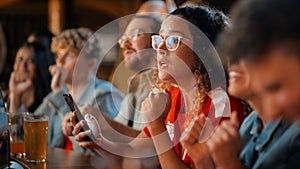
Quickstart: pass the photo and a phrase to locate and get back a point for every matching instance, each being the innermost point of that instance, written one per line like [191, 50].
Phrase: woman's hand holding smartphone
[73, 107]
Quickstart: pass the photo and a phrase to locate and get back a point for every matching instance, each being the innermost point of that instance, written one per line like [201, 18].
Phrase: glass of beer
[35, 129]
[16, 133]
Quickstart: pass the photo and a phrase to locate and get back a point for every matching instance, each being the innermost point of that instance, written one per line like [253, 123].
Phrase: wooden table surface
[59, 158]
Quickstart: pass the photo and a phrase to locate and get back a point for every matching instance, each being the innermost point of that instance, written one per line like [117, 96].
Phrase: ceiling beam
[113, 8]
[6, 3]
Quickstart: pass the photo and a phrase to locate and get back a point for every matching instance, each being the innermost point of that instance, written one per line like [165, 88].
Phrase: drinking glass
[35, 129]
[16, 133]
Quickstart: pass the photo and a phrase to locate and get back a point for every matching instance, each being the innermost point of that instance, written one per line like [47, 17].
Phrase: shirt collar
[266, 134]
[257, 126]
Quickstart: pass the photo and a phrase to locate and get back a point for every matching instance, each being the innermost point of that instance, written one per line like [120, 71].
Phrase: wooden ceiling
[113, 8]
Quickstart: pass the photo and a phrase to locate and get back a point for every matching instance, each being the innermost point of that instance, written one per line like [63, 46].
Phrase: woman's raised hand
[156, 107]
[19, 83]
[59, 76]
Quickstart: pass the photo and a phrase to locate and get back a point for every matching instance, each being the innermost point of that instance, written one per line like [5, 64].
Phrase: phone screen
[73, 107]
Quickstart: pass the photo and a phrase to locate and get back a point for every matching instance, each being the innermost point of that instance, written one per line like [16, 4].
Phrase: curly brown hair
[79, 39]
[202, 84]
[210, 22]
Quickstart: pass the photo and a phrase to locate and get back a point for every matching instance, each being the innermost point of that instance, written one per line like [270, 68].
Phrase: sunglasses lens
[156, 41]
[134, 35]
[172, 42]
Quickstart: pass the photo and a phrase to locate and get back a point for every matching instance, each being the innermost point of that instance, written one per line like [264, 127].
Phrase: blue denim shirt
[277, 146]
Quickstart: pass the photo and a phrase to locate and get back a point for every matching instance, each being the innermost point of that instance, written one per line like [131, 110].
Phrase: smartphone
[73, 107]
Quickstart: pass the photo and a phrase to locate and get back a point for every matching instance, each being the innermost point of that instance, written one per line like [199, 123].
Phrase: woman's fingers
[73, 118]
[193, 131]
[88, 145]
[81, 136]
[235, 119]
[78, 127]
[225, 134]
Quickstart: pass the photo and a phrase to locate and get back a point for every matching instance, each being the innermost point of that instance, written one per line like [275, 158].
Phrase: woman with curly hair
[186, 68]
[184, 89]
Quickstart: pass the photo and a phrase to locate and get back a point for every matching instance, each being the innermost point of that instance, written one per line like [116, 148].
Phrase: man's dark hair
[260, 26]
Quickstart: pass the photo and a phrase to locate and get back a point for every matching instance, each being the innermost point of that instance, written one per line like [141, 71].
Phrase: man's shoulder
[143, 76]
[105, 87]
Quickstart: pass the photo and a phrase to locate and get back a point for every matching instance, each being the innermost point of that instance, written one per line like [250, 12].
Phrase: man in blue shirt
[77, 54]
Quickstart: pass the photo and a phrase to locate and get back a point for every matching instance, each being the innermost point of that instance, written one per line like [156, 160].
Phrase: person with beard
[140, 58]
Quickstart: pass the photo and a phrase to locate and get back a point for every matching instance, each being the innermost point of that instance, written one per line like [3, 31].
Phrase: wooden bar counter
[59, 158]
